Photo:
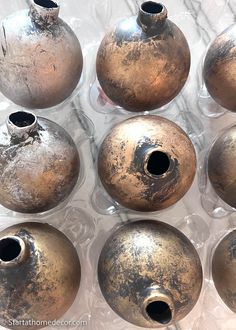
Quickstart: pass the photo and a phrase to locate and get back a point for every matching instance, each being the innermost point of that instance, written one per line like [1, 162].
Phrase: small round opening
[9, 249]
[159, 311]
[46, 3]
[152, 7]
[22, 119]
[158, 163]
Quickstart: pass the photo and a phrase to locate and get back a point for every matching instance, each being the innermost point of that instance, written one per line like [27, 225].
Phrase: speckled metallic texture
[222, 166]
[40, 57]
[42, 281]
[144, 62]
[39, 163]
[224, 270]
[146, 263]
[147, 163]
[220, 69]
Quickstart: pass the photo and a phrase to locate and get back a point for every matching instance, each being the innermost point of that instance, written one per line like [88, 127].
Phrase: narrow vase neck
[13, 251]
[44, 12]
[158, 307]
[152, 17]
[20, 124]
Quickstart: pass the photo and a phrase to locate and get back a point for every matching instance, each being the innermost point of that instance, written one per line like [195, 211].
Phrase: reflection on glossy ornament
[40, 58]
[39, 275]
[219, 70]
[143, 63]
[146, 163]
[222, 166]
[150, 274]
[39, 163]
[224, 270]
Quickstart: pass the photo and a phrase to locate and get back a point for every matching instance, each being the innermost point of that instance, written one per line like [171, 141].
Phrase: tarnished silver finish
[40, 57]
[144, 61]
[39, 163]
[219, 69]
[222, 166]
[150, 274]
[147, 163]
[39, 275]
[224, 270]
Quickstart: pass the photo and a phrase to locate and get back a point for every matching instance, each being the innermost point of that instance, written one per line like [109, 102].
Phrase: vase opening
[10, 249]
[22, 119]
[158, 163]
[159, 311]
[46, 3]
[151, 7]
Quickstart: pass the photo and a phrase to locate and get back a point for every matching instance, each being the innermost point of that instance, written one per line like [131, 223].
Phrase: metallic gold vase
[222, 166]
[144, 62]
[40, 58]
[39, 163]
[219, 70]
[224, 270]
[150, 274]
[39, 275]
[147, 163]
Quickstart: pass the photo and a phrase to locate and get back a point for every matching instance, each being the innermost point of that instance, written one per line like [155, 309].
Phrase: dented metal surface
[125, 155]
[220, 69]
[44, 284]
[144, 62]
[39, 163]
[148, 262]
[40, 57]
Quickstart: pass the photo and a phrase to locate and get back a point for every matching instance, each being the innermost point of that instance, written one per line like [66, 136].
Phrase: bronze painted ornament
[39, 163]
[39, 275]
[144, 62]
[219, 70]
[40, 56]
[146, 163]
[222, 166]
[224, 270]
[150, 274]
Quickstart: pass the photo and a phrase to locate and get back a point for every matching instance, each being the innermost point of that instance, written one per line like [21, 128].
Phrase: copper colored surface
[39, 163]
[222, 166]
[150, 274]
[144, 62]
[219, 70]
[39, 274]
[224, 270]
[147, 163]
[40, 58]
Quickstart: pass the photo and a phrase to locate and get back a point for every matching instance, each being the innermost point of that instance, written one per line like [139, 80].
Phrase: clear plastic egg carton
[89, 215]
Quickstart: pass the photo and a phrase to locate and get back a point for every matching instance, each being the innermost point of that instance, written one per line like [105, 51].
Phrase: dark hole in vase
[22, 119]
[46, 3]
[158, 163]
[159, 311]
[9, 249]
[150, 7]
